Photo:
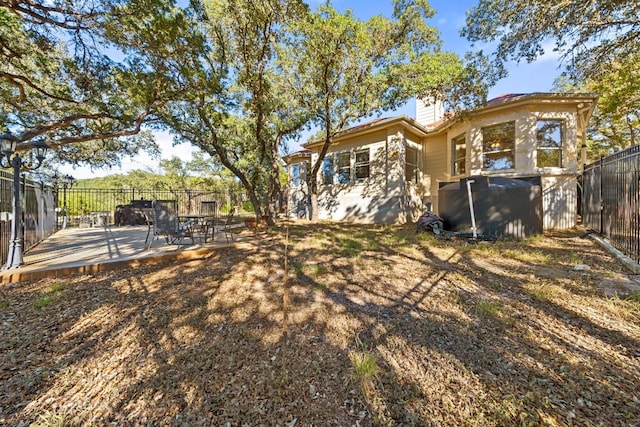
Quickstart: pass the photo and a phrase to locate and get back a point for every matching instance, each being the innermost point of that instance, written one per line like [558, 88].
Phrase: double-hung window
[498, 146]
[549, 148]
[458, 155]
[295, 175]
[343, 161]
[411, 165]
[327, 170]
[347, 167]
[362, 165]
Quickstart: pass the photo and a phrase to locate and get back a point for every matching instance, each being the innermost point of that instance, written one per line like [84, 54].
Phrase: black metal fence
[44, 207]
[611, 200]
[38, 212]
[81, 204]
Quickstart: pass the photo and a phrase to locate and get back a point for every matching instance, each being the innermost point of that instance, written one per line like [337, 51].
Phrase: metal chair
[226, 229]
[209, 210]
[148, 218]
[166, 222]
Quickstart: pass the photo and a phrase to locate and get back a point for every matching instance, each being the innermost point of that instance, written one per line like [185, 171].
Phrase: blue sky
[449, 19]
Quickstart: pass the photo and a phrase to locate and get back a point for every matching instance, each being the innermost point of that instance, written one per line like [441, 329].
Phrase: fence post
[601, 231]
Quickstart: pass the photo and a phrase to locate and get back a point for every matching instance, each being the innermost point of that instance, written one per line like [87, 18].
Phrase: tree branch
[28, 136]
[41, 14]
[13, 78]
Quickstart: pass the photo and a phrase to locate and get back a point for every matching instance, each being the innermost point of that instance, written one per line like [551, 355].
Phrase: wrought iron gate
[611, 200]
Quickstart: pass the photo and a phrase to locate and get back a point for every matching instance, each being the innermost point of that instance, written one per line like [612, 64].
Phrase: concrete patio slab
[105, 248]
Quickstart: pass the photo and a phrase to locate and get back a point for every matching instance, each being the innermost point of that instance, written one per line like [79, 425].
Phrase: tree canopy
[341, 69]
[235, 78]
[57, 81]
[224, 95]
[591, 36]
[598, 43]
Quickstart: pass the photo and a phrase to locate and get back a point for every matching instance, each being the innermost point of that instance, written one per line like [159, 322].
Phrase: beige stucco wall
[559, 201]
[436, 169]
[384, 197]
[414, 191]
[558, 182]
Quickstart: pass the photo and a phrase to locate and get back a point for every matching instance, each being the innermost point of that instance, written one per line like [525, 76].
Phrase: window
[498, 144]
[458, 155]
[411, 165]
[344, 167]
[295, 175]
[549, 137]
[340, 164]
[362, 165]
[327, 170]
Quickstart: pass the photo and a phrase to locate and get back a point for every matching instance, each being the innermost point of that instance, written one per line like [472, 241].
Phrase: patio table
[100, 218]
[201, 223]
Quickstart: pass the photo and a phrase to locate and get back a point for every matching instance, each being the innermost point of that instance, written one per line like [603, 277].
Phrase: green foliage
[365, 367]
[57, 287]
[545, 292]
[56, 83]
[340, 69]
[592, 35]
[350, 247]
[218, 57]
[52, 419]
[247, 206]
[226, 208]
[598, 42]
[488, 308]
[615, 123]
[50, 297]
[172, 175]
[312, 270]
[634, 296]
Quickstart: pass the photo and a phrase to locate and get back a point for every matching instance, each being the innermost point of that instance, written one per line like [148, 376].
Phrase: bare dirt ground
[384, 327]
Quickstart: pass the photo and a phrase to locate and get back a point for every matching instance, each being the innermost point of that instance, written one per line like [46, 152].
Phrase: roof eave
[373, 127]
[575, 98]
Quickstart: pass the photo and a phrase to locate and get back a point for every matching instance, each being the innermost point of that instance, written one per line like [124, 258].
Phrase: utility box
[503, 207]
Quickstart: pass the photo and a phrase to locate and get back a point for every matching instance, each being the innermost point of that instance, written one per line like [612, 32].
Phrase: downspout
[386, 166]
[471, 211]
[583, 128]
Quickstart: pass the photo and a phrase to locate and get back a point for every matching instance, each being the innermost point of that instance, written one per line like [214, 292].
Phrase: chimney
[429, 111]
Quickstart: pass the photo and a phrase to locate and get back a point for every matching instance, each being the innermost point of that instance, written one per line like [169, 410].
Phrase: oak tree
[597, 42]
[342, 69]
[59, 80]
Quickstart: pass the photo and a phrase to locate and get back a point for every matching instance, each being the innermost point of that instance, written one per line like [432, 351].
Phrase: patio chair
[166, 222]
[226, 228]
[148, 218]
[210, 209]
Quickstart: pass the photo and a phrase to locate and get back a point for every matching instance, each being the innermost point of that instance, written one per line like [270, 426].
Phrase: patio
[105, 248]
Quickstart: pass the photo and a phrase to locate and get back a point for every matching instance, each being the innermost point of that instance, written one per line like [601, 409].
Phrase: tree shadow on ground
[529, 355]
[197, 343]
[456, 339]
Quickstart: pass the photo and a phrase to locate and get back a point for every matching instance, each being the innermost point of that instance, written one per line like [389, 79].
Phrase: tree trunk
[313, 206]
[313, 200]
[257, 209]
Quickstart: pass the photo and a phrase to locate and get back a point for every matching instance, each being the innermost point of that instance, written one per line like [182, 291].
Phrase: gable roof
[372, 126]
[584, 102]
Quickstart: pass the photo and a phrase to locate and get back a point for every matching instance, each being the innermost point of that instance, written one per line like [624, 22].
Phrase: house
[389, 170]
